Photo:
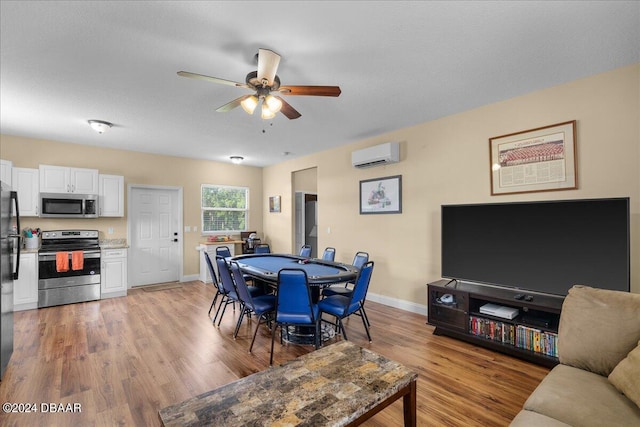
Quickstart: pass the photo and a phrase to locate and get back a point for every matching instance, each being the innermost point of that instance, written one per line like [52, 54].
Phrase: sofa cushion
[580, 398]
[533, 419]
[626, 376]
[598, 328]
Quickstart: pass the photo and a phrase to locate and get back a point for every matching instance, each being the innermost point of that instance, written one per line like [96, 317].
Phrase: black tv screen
[539, 246]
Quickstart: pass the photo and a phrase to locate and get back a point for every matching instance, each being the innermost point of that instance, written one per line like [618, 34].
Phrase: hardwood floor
[123, 359]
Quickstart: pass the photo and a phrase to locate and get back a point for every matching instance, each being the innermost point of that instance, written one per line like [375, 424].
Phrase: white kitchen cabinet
[61, 179]
[111, 195]
[26, 182]
[25, 289]
[113, 273]
[5, 171]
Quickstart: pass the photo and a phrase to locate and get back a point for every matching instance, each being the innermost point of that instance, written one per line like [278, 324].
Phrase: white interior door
[155, 238]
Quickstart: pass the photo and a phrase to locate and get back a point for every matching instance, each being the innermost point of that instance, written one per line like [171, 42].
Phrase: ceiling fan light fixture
[99, 126]
[249, 104]
[236, 160]
[274, 103]
[266, 112]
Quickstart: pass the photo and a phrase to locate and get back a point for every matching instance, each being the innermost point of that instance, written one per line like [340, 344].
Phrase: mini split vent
[377, 155]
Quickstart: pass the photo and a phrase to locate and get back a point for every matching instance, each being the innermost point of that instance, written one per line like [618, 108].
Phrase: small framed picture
[381, 195]
[274, 204]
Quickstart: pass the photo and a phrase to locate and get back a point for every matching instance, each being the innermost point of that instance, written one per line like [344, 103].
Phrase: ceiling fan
[266, 85]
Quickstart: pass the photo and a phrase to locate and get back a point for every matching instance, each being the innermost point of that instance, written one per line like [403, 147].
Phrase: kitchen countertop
[232, 242]
[113, 244]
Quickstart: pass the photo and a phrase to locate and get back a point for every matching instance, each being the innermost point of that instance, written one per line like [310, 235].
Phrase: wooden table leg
[409, 406]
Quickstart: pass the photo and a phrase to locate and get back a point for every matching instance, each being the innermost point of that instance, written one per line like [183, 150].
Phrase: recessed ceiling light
[100, 126]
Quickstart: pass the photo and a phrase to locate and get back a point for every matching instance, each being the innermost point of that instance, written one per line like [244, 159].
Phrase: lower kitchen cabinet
[113, 273]
[25, 288]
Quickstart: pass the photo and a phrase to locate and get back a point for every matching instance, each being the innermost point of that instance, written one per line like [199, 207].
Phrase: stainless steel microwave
[60, 205]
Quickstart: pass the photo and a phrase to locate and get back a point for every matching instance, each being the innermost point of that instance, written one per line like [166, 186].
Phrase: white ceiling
[398, 64]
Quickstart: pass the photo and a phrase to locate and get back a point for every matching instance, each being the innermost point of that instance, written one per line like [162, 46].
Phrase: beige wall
[447, 161]
[138, 168]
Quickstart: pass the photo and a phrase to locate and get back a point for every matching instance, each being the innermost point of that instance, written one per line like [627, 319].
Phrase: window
[224, 208]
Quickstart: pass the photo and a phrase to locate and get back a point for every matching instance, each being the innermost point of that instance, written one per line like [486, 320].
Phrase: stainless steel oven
[68, 267]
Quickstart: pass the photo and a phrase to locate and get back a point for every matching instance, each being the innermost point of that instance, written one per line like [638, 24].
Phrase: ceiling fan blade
[268, 62]
[311, 90]
[211, 79]
[288, 110]
[231, 105]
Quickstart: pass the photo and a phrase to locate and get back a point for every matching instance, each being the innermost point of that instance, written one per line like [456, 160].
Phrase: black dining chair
[342, 307]
[294, 305]
[329, 254]
[262, 305]
[262, 248]
[305, 251]
[216, 283]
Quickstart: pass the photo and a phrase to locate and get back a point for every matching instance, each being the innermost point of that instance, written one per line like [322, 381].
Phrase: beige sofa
[597, 382]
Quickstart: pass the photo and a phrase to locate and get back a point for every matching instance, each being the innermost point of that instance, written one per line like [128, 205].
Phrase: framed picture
[381, 195]
[274, 204]
[541, 159]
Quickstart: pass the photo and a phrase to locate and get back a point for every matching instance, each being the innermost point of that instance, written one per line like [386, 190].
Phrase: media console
[454, 310]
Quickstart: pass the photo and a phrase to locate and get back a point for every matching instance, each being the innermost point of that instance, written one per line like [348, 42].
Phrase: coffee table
[337, 385]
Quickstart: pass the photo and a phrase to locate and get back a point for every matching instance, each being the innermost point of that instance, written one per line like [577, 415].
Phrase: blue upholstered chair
[230, 294]
[305, 251]
[261, 305]
[329, 254]
[214, 279]
[360, 259]
[341, 306]
[262, 248]
[294, 305]
[223, 251]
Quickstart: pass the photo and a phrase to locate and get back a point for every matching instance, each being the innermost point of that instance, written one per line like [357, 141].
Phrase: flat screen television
[545, 247]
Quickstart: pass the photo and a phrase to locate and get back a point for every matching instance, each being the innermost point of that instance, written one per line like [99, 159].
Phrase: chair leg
[273, 336]
[344, 332]
[239, 322]
[222, 302]
[364, 312]
[227, 302]
[213, 303]
[364, 322]
[262, 316]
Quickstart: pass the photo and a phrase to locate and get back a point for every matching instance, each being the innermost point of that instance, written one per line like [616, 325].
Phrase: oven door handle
[51, 256]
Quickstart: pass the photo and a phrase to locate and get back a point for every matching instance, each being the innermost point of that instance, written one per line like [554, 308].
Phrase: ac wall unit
[382, 154]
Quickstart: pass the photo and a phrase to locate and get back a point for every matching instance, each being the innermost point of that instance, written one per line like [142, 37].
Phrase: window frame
[204, 209]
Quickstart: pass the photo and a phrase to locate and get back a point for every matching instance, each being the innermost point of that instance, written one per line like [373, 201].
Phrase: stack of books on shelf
[537, 340]
[492, 329]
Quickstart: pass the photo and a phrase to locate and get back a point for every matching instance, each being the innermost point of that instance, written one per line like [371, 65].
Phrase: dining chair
[342, 307]
[294, 305]
[329, 254]
[262, 248]
[214, 279]
[231, 294]
[305, 251]
[360, 259]
[223, 251]
[262, 305]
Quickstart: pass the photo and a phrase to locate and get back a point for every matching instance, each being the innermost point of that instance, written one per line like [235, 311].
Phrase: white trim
[190, 278]
[180, 222]
[398, 303]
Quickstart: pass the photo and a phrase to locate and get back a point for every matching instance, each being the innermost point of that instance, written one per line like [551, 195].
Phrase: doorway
[306, 222]
[155, 234]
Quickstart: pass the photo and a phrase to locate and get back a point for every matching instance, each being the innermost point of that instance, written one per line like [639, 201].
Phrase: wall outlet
[110, 230]
[187, 228]
[195, 228]
[328, 230]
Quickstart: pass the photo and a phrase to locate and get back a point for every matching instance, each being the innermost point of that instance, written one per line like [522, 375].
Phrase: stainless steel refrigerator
[9, 267]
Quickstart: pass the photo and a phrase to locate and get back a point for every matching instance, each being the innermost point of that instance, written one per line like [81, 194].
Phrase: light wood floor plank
[123, 359]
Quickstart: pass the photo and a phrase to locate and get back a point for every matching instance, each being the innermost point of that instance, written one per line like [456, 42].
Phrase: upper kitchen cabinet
[25, 182]
[5, 171]
[61, 179]
[111, 195]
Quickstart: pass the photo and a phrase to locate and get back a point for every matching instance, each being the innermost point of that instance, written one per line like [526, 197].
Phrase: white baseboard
[190, 278]
[398, 303]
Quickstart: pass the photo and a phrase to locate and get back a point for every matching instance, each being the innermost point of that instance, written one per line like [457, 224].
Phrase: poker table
[320, 273]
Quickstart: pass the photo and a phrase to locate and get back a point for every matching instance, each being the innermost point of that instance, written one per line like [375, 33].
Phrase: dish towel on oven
[62, 262]
[77, 260]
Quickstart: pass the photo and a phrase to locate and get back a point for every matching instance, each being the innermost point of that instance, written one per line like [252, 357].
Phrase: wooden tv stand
[531, 335]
